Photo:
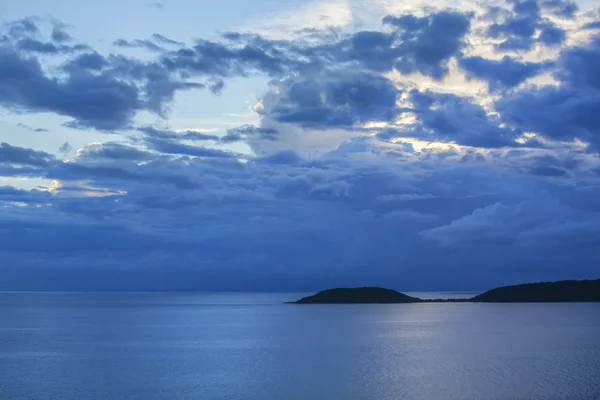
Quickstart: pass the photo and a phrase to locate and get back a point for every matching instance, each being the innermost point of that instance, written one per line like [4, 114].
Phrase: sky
[298, 145]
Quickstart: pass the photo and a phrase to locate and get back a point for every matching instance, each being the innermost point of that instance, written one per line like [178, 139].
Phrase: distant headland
[359, 295]
[544, 292]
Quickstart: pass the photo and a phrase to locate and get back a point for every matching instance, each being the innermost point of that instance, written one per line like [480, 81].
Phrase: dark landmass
[444, 300]
[358, 295]
[562, 291]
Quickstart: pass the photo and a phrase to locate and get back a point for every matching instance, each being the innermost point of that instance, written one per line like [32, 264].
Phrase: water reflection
[252, 346]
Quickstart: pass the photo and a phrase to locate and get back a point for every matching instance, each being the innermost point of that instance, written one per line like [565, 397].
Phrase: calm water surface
[251, 346]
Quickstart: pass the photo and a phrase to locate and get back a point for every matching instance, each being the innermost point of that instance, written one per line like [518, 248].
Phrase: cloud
[451, 118]
[156, 85]
[23, 28]
[113, 151]
[65, 148]
[577, 65]
[517, 29]
[22, 156]
[97, 92]
[552, 36]
[36, 46]
[562, 8]
[592, 25]
[284, 157]
[59, 34]
[528, 223]
[93, 101]
[501, 74]
[216, 86]
[293, 219]
[378, 157]
[34, 196]
[417, 44]
[165, 40]
[30, 128]
[172, 147]
[563, 112]
[249, 132]
[220, 60]
[429, 42]
[86, 62]
[175, 136]
[138, 43]
[332, 100]
[23, 35]
[548, 171]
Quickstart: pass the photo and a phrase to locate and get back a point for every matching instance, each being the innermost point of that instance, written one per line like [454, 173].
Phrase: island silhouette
[543, 292]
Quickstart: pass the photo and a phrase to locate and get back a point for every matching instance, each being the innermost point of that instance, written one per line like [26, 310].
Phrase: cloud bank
[449, 149]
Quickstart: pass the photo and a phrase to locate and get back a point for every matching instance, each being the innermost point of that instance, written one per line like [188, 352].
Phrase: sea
[253, 346]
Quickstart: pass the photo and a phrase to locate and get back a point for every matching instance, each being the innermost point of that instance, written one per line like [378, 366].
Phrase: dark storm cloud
[34, 196]
[373, 50]
[501, 74]
[217, 59]
[417, 44]
[298, 221]
[107, 92]
[97, 92]
[156, 210]
[559, 113]
[429, 42]
[86, 62]
[552, 36]
[93, 101]
[339, 99]
[517, 30]
[23, 156]
[327, 217]
[566, 111]
[578, 66]
[107, 163]
[452, 118]
[121, 172]
[155, 82]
